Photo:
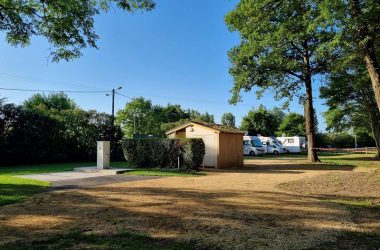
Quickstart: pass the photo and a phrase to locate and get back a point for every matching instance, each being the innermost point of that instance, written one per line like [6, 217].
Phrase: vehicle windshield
[278, 144]
[256, 143]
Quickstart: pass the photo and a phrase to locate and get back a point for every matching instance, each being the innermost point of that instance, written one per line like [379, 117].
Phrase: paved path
[60, 176]
[73, 179]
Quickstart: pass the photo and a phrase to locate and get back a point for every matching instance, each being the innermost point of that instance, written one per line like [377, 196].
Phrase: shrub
[193, 151]
[163, 153]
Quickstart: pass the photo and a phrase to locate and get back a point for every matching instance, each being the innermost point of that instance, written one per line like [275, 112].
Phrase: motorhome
[295, 144]
[271, 145]
[252, 146]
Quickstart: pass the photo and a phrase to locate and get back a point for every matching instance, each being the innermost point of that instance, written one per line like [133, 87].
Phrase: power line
[57, 91]
[44, 80]
[125, 96]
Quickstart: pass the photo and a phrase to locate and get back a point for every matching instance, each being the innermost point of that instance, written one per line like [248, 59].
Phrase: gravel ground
[229, 209]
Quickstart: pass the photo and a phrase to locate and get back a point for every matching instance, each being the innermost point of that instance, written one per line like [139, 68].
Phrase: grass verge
[163, 172]
[14, 189]
[78, 240]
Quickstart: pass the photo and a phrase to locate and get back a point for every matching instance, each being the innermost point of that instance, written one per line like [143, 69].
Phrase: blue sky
[175, 54]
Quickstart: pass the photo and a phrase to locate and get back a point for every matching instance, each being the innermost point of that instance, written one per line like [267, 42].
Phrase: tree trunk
[374, 117]
[309, 116]
[373, 70]
[367, 48]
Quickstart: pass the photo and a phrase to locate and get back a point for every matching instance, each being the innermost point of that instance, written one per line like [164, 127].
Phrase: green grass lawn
[14, 189]
[357, 159]
[162, 172]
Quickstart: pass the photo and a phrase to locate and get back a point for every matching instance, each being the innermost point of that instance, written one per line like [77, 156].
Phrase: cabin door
[210, 154]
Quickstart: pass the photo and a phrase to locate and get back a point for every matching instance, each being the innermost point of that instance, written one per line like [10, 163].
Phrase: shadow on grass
[293, 168]
[351, 240]
[209, 218]
[81, 240]
[11, 193]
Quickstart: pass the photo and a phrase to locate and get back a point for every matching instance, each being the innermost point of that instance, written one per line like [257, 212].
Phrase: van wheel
[275, 152]
[286, 151]
[252, 153]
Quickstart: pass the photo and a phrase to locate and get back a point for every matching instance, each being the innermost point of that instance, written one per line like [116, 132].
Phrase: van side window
[245, 142]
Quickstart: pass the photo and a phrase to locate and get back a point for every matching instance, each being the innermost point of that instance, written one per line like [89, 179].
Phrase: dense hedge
[34, 136]
[164, 153]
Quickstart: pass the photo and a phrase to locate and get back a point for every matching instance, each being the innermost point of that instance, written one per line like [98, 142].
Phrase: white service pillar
[103, 159]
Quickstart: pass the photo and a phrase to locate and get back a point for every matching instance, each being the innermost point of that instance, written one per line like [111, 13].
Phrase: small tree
[292, 125]
[228, 119]
[206, 117]
[283, 44]
[262, 121]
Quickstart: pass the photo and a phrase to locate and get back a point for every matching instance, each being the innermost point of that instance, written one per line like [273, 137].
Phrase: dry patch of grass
[344, 184]
[356, 192]
[228, 209]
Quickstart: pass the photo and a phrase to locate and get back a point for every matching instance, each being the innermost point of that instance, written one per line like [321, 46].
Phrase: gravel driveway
[229, 209]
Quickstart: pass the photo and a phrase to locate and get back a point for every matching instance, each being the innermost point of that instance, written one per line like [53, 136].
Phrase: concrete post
[103, 154]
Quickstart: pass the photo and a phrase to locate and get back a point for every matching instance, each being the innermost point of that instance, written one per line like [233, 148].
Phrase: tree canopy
[140, 116]
[351, 103]
[357, 23]
[68, 25]
[293, 124]
[228, 119]
[283, 45]
[262, 121]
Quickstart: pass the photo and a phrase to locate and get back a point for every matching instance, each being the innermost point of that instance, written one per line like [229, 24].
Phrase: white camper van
[294, 144]
[252, 146]
[271, 145]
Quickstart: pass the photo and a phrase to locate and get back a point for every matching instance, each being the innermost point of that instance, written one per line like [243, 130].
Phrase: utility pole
[113, 107]
[113, 115]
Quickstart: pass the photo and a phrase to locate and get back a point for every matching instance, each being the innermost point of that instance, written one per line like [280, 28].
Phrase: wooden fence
[365, 150]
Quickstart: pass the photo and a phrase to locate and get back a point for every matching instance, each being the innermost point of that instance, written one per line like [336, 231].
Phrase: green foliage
[351, 102]
[51, 128]
[56, 102]
[292, 125]
[193, 151]
[262, 121]
[163, 172]
[151, 153]
[351, 19]
[228, 119]
[140, 116]
[275, 38]
[206, 117]
[344, 140]
[68, 25]
[164, 153]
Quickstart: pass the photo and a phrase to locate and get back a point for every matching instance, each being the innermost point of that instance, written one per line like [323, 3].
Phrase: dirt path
[229, 209]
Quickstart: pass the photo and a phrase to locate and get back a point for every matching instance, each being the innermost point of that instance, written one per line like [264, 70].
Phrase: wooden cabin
[224, 144]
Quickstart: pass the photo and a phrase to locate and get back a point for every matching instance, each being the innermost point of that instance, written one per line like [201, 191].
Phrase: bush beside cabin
[183, 154]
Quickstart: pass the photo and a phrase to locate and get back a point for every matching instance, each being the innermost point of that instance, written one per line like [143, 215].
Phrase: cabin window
[291, 140]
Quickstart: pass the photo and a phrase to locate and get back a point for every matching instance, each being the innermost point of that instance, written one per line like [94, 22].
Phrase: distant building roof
[214, 126]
